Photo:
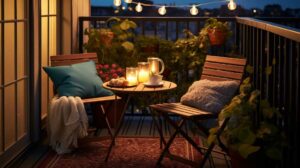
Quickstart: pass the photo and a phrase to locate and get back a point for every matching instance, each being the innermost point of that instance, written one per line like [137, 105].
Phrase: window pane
[22, 101]
[9, 116]
[44, 7]
[21, 9]
[9, 53]
[52, 36]
[52, 7]
[1, 121]
[22, 60]
[45, 60]
[1, 91]
[9, 7]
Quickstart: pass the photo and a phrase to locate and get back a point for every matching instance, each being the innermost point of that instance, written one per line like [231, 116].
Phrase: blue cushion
[77, 80]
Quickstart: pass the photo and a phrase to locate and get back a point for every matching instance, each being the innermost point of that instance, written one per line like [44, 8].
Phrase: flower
[107, 72]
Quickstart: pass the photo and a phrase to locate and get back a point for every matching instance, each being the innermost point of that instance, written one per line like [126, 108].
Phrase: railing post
[80, 34]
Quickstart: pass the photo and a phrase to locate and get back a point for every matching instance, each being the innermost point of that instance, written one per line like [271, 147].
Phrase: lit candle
[143, 72]
[143, 76]
[131, 76]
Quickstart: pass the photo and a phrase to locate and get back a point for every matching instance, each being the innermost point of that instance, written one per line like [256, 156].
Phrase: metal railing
[268, 47]
[170, 28]
[274, 52]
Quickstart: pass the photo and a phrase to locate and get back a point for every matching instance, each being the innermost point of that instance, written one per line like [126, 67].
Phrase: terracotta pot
[106, 38]
[216, 36]
[237, 161]
[150, 49]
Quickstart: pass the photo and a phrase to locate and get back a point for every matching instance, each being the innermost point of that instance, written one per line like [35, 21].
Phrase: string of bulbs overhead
[162, 9]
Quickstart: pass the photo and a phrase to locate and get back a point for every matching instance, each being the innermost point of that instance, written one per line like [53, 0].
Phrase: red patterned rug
[128, 152]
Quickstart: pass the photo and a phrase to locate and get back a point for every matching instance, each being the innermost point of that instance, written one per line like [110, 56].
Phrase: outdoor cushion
[77, 80]
[208, 95]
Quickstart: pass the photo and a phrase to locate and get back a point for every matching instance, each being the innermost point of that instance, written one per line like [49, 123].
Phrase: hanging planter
[216, 36]
[106, 36]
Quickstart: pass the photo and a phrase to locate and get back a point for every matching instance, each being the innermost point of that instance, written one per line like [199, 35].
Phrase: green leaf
[125, 25]
[249, 69]
[128, 46]
[211, 139]
[245, 150]
[274, 153]
[274, 61]
[246, 136]
[213, 130]
[268, 70]
[253, 97]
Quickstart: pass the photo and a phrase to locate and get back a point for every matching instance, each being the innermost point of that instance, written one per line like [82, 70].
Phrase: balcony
[268, 44]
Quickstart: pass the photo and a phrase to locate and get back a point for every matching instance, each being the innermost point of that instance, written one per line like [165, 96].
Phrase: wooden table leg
[117, 128]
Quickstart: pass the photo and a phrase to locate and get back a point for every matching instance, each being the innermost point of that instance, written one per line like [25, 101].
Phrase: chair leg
[190, 140]
[166, 149]
[158, 125]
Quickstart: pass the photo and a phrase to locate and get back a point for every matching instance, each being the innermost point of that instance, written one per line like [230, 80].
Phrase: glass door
[14, 78]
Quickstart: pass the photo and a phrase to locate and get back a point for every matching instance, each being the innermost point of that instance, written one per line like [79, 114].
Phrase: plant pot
[216, 36]
[106, 38]
[150, 49]
[237, 161]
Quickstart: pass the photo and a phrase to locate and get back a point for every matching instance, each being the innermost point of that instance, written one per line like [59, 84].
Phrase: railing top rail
[95, 18]
[278, 29]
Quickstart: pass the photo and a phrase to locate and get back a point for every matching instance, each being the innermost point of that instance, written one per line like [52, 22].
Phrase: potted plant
[147, 44]
[217, 32]
[247, 140]
[112, 42]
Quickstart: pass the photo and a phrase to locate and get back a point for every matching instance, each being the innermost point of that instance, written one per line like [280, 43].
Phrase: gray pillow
[208, 95]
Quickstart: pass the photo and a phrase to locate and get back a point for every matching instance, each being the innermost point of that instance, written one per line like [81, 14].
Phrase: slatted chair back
[98, 108]
[223, 68]
[60, 60]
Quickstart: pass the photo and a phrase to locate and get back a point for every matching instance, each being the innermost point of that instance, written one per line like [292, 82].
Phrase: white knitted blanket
[67, 121]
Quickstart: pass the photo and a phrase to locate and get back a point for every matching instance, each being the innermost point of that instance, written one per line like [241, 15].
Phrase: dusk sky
[245, 3]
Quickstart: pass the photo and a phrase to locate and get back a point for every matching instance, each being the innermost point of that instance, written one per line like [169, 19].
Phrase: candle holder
[131, 76]
[143, 72]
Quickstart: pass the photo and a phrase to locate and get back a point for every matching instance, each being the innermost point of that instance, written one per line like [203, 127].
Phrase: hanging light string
[162, 8]
[179, 6]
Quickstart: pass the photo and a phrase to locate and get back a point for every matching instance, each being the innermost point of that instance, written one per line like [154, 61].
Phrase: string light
[231, 5]
[194, 10]
[117, 2]
[139, 7]
[128, 1]
[162, 10]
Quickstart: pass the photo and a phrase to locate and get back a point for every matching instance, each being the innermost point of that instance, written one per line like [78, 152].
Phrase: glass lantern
[143, 72]
[131, 76]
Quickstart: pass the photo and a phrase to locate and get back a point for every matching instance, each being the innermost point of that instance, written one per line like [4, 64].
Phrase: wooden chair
[217, 69]
[99, 105]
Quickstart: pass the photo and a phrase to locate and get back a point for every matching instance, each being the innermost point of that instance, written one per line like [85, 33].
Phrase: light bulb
[139, 7]
[231, 5]
[194, 10]
[128, 1]
[117, 2]
[162, 10]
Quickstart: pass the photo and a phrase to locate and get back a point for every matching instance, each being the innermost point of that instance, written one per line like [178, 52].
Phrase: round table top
[167, 85]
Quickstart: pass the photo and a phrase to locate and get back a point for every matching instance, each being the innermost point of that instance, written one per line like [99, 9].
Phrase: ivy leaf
[253, 97]
[268, 70]
[246, 149]
[246, 136]
[128, 46]
[249, 69]
[274, 61]
[211, 138]
[274, 153]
